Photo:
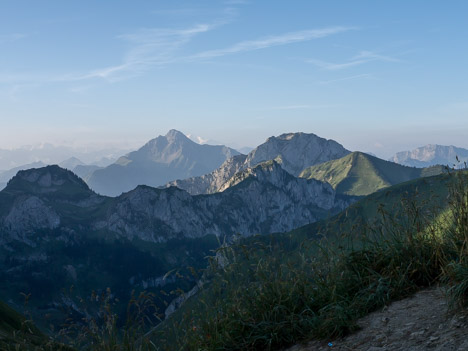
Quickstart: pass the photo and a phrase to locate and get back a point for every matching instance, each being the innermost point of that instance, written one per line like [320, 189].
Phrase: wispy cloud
[159, 47]
[283, 39]
[149, 47]
[361, 58]
[8, 38]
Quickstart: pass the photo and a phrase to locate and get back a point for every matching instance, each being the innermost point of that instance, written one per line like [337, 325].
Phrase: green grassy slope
[284, 288]
[361, 174]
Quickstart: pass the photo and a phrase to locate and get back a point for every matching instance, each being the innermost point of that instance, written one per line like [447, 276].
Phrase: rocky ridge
[283, 149]
[263, 199]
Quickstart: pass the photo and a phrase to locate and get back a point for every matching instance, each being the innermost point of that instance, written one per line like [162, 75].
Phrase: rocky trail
[420, 322]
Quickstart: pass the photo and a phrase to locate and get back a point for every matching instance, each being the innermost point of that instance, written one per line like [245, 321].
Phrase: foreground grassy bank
[269, 295]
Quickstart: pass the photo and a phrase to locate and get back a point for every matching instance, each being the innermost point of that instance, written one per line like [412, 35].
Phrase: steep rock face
[430, 155]
[264, 199]
[293, 151]
[165, 158]
[211, 182]
[296, 151]
[28, 214]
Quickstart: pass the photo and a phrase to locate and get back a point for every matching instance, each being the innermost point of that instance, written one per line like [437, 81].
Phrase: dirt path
[417, 323]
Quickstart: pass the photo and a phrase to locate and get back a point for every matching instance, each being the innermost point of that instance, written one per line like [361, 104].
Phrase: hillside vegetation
[266, 294]
[361, 174]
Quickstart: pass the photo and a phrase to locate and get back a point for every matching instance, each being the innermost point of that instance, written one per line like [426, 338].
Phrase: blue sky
[375, 76]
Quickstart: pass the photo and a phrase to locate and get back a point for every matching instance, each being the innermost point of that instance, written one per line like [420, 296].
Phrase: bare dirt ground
[421, 322]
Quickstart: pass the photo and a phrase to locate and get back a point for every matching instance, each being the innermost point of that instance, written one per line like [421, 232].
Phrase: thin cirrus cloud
[362, 58]
[284, 39]
[159, 47]
[155, 47]
[150, 47]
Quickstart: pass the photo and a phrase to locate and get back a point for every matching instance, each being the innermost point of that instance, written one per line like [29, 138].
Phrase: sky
[375, 76]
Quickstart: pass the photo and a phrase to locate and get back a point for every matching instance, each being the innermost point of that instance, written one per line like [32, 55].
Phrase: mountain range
[431, 154]
[283, 149]
[57, 231]
[51, 154]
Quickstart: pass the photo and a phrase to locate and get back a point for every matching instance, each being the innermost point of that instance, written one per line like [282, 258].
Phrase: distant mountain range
[430, 155]
[293, 151]
[361, 174]
[159, 161]
[50, 154]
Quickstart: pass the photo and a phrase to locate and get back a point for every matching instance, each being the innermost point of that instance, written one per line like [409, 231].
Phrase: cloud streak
[283, 39]
[150, 47]
[159, 47]
[362, 58]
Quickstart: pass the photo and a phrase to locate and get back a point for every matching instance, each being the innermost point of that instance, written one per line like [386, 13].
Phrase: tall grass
[267, 298]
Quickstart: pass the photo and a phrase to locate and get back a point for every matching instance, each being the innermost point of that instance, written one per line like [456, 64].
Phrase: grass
[263, 297]
[361, 174]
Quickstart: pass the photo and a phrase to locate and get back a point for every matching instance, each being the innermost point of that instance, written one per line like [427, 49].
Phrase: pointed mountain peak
[174, 135]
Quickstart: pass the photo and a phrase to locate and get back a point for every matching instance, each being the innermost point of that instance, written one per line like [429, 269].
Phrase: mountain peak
[297, 151]
[49, 179]
[174, 134]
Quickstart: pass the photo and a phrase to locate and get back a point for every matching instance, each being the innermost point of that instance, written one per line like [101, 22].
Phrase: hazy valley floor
[420, 322]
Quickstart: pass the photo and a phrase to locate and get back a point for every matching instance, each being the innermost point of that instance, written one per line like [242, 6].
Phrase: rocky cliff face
[293, 151]
[296, 151]
[165, 158]
[430, 155]
[212, 182]
[262, 199]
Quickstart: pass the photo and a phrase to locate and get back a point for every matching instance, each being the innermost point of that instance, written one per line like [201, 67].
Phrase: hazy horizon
[375, 77]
